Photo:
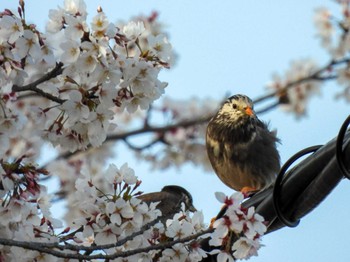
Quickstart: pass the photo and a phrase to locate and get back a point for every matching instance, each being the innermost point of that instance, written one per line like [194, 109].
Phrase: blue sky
[228, 47]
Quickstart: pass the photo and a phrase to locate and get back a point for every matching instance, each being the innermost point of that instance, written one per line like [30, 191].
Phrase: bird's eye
[234, 106]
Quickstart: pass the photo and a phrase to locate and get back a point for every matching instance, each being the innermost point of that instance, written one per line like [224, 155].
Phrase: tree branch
[316, 76]
[146, 128]
[48, 248]
[33, 86]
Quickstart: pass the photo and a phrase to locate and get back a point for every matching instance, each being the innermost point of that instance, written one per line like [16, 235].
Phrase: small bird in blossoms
[241, 148]
[170, 199]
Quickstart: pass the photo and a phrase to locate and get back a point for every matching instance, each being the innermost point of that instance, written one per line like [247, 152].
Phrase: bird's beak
[192, 208]
[249, 111]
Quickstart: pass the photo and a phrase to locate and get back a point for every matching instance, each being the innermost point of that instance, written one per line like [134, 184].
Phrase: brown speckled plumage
[240, 147]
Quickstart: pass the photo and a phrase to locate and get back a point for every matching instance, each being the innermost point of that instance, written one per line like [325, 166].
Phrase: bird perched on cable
[170, 198]
[241, 148]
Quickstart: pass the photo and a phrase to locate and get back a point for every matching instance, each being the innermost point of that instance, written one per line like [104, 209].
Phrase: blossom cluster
[296, 98]
[87, 72]
[25, 210]
[110, 217]
[333, 31]
[304, 77]
[111, 212]
[114, 213]
[238, 232]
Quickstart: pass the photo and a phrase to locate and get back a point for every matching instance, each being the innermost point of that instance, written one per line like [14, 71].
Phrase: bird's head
[237, 108]
[182, 194]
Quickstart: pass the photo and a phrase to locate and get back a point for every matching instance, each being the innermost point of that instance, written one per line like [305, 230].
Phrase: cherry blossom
[160, 47]
[74, 108]
[133, 30]
[178, 253]
[244, 224]
[224, 257]
[245, 248]
[325, 28]
[295, 99]
[11, 29]
[76, 27]
[179, 230]
[254, 223]
[27, 45]
[75, 7]
[234, 201]
[99, 22]
[71, 51]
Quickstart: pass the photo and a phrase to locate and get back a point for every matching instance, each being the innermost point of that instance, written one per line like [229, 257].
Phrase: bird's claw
[248, 191]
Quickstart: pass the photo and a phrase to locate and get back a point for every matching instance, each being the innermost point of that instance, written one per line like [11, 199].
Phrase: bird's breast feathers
[240, 147]
[227, 149]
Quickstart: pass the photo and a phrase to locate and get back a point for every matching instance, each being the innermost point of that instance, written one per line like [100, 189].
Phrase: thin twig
[33, 86]
[314, 76]
[143, 130]
[140, 148]
[161, 129]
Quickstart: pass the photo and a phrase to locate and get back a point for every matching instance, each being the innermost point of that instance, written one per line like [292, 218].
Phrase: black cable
[339, 153]
[278, 185]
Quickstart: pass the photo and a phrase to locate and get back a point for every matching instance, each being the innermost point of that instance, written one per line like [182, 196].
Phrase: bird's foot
[248, 191]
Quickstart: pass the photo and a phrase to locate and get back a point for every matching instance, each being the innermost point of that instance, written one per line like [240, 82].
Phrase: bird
[170, 198]
[241, 148]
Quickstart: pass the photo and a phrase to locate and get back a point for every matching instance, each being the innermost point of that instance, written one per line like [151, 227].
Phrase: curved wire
[278, 185]
[339, 153]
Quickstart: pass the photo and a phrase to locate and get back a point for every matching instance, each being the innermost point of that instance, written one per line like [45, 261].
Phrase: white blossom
[133, 30]
[28, 44]
[224, 257]
[325, 28]
[179, 230]
[106, 236]
[74, 107]
[244, 248]
[246, 225]
[99, 22]
[76, 27]
[74, 7]
[71, 51]
[11, 29]
[295, 99]
[161, 47]
[254, 223]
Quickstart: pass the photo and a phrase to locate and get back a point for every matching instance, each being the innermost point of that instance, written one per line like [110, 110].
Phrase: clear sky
[234, 47]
